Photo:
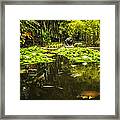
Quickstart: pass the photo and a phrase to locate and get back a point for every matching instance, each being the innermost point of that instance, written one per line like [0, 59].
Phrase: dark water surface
[60, 80]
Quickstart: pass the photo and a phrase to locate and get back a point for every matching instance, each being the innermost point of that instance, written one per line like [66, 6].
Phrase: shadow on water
[60, 80]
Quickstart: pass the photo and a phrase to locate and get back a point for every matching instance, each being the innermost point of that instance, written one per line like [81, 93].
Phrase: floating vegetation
[34, 55]
[78, 55]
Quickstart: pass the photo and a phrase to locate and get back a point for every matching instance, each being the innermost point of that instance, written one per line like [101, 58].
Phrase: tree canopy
[41, 32]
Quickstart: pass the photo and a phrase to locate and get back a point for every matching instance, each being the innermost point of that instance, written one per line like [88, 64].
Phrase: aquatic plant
[77, 55]
[33, 55]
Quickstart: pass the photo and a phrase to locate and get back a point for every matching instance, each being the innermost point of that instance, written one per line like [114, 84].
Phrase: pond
[60, 80]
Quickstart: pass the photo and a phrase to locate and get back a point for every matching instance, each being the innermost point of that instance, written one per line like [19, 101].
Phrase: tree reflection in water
[60, 80]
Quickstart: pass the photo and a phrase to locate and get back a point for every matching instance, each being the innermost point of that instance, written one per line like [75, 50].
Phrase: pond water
[60, 80]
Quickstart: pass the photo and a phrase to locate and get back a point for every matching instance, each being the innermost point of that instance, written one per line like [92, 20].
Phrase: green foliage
[86, 31]
[34, 31]
[54, 45]
[33, 55]
[45, 36]
[77, 55]
[63, 29]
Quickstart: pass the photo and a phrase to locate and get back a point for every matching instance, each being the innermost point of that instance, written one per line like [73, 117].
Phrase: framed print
[60, 59]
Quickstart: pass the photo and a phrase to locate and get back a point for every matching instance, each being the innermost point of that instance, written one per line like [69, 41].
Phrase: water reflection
[60, 80]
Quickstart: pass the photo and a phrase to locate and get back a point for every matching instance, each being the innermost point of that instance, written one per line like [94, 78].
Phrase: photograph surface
[59, 59]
